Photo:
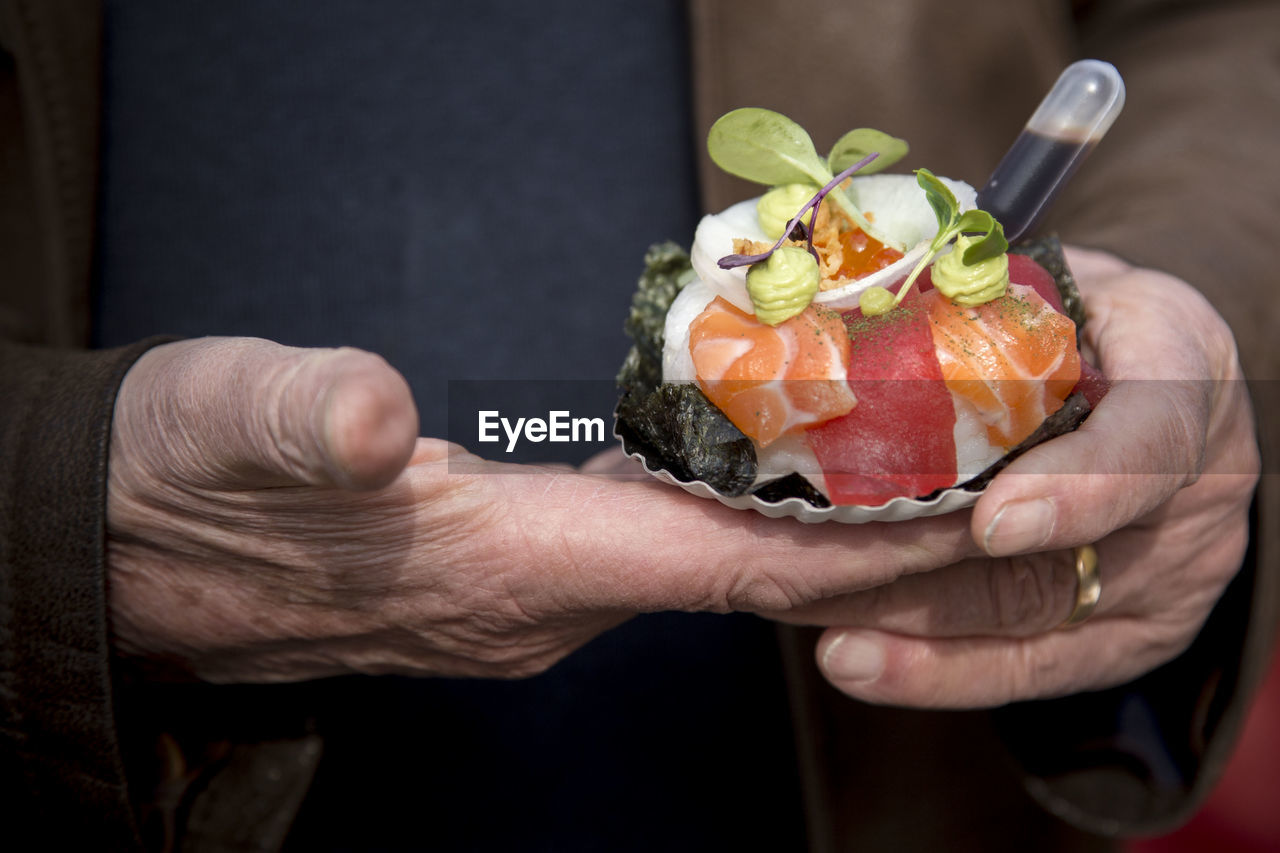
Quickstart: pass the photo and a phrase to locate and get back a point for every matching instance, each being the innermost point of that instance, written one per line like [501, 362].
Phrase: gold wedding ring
[1088, 586]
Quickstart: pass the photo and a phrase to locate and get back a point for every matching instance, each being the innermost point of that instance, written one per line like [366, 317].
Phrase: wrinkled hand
[272, 516]
[1159, 477]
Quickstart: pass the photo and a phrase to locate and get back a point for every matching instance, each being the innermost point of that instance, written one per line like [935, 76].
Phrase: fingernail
[1020, 526]
[851, 657]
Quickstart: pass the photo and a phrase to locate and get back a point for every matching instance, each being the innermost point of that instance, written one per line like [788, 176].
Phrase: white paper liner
[897, 509]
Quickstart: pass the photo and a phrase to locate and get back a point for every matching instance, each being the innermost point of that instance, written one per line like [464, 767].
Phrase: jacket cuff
[60, 761]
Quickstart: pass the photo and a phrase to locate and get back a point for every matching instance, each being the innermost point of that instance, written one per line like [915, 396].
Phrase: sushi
[822, 362]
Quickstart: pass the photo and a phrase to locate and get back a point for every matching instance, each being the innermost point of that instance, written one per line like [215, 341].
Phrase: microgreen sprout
[728, 262]
[767, 147]
[951, 224]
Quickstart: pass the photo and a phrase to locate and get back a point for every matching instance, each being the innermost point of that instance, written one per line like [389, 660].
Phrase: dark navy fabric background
[467, 189]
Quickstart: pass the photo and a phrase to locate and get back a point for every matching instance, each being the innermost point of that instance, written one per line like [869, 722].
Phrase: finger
[976, 672]
[645, 546]
[250, 413]
[1010, 596]
[613, 463]
[1147, 324]
[1141, 445]
[369, 424]
[1175, 576]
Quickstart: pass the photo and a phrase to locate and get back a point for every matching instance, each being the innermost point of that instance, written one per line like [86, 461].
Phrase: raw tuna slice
[899, 440]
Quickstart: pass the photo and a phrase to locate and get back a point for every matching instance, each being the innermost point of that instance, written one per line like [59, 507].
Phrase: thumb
[1140, 446]
[245, 413]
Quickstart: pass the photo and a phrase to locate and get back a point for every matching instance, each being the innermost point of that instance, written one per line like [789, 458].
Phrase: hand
[1159, 478]
[272, 516]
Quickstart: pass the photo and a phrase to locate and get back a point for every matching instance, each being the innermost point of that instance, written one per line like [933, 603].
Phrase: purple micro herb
[728, 262]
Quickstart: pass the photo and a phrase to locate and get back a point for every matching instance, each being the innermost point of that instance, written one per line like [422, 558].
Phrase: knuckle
[762, 591]
[1036, 672]
[1185, 431]
[1027, 594]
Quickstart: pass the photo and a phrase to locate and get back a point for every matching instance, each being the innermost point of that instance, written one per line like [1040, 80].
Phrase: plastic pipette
[1077, 112]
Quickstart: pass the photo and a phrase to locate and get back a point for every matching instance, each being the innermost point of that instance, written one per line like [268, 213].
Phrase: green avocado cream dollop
[970, 284]
[776, 207]
[784, 285]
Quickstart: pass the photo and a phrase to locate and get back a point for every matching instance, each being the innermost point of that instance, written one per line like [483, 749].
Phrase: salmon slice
[1014, 358]
[770, 380]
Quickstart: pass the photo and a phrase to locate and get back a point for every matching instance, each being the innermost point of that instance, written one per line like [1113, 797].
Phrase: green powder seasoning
[871, 336]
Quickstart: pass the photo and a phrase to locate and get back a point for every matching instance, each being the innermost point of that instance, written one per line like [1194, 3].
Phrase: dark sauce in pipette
[1028, 178]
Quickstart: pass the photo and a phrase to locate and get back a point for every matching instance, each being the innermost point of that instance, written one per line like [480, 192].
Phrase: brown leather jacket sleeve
[60, 767]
